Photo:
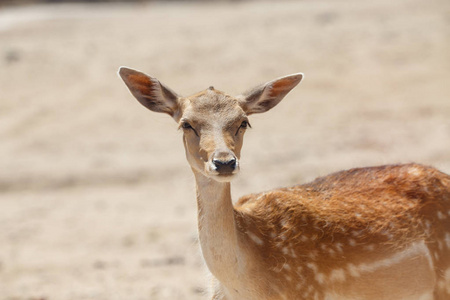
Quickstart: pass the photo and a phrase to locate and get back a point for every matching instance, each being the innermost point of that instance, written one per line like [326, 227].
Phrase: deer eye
[186, 125]
[245, 124]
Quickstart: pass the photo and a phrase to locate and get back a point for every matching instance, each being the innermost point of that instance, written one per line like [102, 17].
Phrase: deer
[374, 233]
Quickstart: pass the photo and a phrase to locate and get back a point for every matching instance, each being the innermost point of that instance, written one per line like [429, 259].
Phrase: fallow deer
[373, 233]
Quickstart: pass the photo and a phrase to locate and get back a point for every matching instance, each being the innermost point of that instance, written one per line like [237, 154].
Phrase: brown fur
[381, 210]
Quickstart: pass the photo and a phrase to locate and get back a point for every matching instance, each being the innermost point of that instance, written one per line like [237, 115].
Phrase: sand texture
[96, 197]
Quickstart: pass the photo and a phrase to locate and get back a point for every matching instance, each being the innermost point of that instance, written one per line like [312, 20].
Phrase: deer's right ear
[150, 92]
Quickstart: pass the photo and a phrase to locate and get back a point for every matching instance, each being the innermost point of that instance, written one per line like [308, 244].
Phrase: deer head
[213, 122]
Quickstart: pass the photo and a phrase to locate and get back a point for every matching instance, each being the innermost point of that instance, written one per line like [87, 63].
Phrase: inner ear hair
[150, 92]
[266, 96]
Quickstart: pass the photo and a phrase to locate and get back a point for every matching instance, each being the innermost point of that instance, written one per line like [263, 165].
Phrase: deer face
[213, 123]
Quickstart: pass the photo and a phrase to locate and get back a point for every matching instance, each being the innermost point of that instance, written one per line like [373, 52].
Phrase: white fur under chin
[223, 178]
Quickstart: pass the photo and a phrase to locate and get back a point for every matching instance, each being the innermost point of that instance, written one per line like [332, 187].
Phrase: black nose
[224, 167]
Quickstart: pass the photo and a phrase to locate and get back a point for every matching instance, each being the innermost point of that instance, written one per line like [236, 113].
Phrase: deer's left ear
[266, 96]
[150, 92]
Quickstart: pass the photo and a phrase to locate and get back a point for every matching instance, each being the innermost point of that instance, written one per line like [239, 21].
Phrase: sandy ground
[96, 198]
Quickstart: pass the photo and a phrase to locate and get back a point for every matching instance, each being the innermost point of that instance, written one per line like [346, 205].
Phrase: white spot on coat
[313, 267]
[331, 252]
[441, 215]
[255, 238]
[285, 222]
[353, 270]
[320, 278]
[370, 247]
[337, 275]
[339, 247]
[447, 240]
[416, 249]
[293, 253]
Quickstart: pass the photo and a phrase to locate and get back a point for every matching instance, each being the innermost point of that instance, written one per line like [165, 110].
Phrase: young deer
[371, 233]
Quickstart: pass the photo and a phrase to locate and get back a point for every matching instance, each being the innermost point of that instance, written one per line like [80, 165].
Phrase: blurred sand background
[96, 198]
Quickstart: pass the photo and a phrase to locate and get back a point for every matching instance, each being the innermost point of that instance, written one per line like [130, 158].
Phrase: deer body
[370, 233]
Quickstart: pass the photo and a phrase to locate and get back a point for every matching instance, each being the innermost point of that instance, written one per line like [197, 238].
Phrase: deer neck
[217, 229]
